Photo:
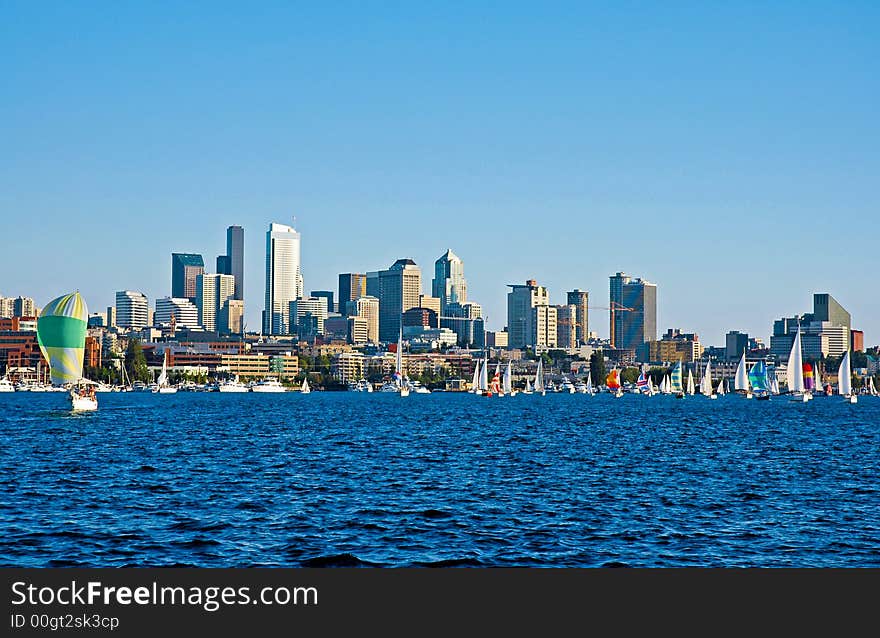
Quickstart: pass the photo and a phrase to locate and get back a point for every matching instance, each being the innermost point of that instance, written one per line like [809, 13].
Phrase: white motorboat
[233, 386]
[361, 386]
[269, 384]
[566, 385]
[6, 385]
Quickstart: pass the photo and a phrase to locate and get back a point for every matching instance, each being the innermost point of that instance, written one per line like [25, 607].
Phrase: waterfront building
[347, 367]
[284, 281]
[449, 284]
[352, 285]
[633, 320]
[366, 308]
[580, 299]
[521, 301]
[184, 312]
[399, 290]
[212, 291]
[185, 268]
[132, 310]
[674, 346]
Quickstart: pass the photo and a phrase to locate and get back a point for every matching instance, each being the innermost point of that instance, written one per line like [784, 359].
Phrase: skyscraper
[465, 320]
[566, 326]
[284, 281]
[368, 309]
[212, 291]
[232, 263]
[132, 309]
[521, 301]
[580, 299]
[399, 290]
[185, 313]
[185, 267]
[307, 316]
[633, 320]
[325, 294]
[449, 284]
[23, 307]
[352, 286]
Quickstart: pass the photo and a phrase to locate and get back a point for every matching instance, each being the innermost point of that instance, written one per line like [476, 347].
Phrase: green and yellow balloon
[61, 332]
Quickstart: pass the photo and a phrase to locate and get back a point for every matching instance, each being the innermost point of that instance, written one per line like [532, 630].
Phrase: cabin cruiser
[361, 386]
[269, 384]
[233, 385]
[566, 385]
[6, 385]
[418, 388]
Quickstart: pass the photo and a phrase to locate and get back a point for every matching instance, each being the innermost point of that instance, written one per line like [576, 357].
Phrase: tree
[597, 367]
[136, 362]
[629, 375]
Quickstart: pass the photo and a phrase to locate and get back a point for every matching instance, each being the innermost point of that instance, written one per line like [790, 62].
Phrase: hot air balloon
[61, 332]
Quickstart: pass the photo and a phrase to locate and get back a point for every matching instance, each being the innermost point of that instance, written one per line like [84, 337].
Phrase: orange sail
[613, 379]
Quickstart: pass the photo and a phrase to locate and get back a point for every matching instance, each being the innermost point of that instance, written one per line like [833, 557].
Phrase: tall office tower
[235, 257]
[399, 290]
[307, 316]
[111, 316]
[352, 285]
[230, 319]
[185, 313]
[212, 291]
[449, 284]
[185, 267]
[283, 278]
[373, 283]
[826, 308]
[368, 309]
[580, 299]
[328, 295]
[735, 343]
[132, 310]
[24, 307]
[465, 320]
[7, 307]
[544, 322]
[566, 326]
[223, 266]
[521, 301]
[633, 320]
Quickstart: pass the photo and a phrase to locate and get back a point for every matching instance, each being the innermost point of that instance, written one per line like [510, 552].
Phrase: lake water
[338, 479]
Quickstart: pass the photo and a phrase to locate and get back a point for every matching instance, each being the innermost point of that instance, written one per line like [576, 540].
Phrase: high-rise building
[634, 311]
[325, 294]
[132, 310]
[826, 308]
[23, 307]
[580, 299]
[521, 301]
[352, 285]
[824, 332]
[235, 255]
[465, 320]
[368, 309]
[111, 316]
[373, 283]
[566, 326]
[212, 291]
[7, 307]
[223, 266]
[399, 290]
[857, 341]
[284, 281]
[185, 313]
[736, 343]
[185, 267]
[307, 316]
[449, 284]
[230, 320]
[544, 322]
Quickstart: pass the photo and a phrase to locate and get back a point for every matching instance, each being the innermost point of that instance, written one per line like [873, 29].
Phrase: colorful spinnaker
[675, 379]
[809, 382]
[61, 332]
[758, 377]
[613, 379]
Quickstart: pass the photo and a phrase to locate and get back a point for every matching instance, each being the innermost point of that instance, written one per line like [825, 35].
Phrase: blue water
[441, 479]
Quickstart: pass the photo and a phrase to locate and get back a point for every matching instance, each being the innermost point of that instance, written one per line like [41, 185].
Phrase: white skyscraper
[284, 282]
[132, 310]
[212, 291]
[185, 312]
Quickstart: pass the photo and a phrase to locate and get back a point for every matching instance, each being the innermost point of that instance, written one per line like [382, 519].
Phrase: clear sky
[729, 152]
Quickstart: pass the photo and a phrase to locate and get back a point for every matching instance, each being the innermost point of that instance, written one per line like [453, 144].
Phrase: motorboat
[269, 384]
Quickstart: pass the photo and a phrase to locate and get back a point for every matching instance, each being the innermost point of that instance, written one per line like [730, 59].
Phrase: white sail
[475, 383]
[589, 382]
[528, 386]
[484, 375]
[163, 377]
[539, 377]
[844, 376]
[706, 383]
[872, 389]
[305, 389]
[398, 362]
[721, 387]
[690, 389]
[651, 390]
[506, 385]
[741, 381]
[796, 365]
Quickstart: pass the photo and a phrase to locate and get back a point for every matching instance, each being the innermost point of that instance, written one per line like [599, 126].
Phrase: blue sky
[728, 152]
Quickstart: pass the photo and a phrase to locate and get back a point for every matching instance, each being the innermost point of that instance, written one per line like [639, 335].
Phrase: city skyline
[561, 146]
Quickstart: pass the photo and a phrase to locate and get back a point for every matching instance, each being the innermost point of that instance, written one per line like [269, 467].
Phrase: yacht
[361, 386]
[232, 386]
[581, 388]
[269, 384]
[418, 388]
[6, 385]
[566, 385]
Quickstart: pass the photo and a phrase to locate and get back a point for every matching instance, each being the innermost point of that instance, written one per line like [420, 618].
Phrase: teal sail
[61, 333]
[675, 379]
[758, 377]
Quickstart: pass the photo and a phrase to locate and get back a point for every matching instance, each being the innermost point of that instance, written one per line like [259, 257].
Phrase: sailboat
[758, 381]
[507, 380]
[721, 391]
[399, 377]
[613, 383]
[475, 382]
[772, 380]
[61, 334]
[495, 387]
[706, 382]
[484, 375]
[590, 390]
[844, 379]
[741, 380]
[651, 389]
[675, 381]
[305, 389]
[872, 389]
[796, 385]
[691, 390]
[539, 378]
[642, 383]
[162, 385]
[528, 389]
